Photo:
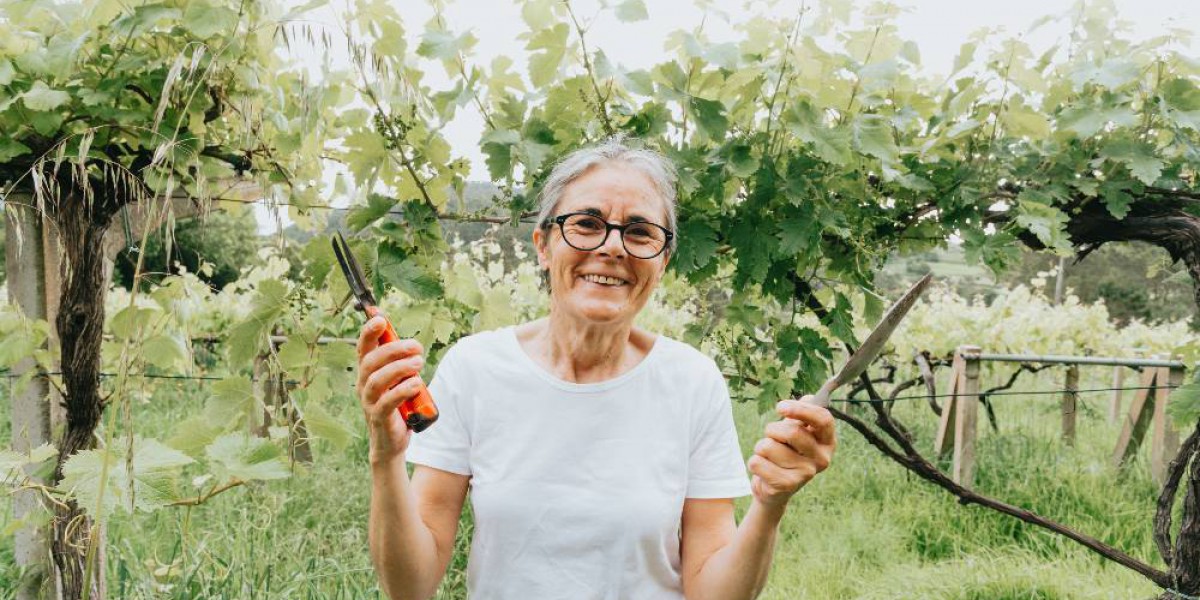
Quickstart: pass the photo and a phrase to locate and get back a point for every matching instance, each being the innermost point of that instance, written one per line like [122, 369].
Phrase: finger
[819, 419]
[778, 478]
[794, 434]
[388, 375]
[368, 339]
[384, 355]
[393, 398]
[778, 453]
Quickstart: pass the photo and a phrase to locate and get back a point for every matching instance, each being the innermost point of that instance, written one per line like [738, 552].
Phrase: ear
[541, 245]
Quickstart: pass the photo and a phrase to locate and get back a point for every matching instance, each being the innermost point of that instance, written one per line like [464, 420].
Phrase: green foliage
[218, 247]
[1184, 406]
[1135, 281]
[240, 456]
[865, 529]
[798, 162]
[102, 480]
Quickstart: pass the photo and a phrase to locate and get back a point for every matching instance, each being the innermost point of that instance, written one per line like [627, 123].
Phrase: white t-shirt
[578, 489]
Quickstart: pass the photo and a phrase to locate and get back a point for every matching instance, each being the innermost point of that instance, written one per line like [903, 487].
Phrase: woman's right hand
[380, 367]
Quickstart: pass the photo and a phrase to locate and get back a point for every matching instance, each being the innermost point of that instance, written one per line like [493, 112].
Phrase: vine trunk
[82, 224]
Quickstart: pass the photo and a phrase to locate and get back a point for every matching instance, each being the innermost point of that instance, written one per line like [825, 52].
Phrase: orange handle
[418, 412]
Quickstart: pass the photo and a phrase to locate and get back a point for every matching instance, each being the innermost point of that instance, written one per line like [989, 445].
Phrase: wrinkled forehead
[614, 190]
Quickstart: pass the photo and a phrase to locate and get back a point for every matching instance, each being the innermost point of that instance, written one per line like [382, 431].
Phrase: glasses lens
[584, 232]
[644, 240]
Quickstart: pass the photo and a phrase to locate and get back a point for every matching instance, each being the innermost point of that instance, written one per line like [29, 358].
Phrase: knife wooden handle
[821, 398]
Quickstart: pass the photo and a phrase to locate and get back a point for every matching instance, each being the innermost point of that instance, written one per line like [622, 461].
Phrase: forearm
[739, 570]
[403, 548]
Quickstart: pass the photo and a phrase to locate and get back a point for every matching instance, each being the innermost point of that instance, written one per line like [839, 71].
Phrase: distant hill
[948, 265]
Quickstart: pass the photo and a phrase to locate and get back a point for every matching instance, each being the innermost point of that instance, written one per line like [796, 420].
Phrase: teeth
[603, 280]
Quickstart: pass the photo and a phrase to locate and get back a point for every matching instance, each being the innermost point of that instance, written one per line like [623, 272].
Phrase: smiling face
[605, 285]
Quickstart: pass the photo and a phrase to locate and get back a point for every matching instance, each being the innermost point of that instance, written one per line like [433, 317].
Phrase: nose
[613, 244]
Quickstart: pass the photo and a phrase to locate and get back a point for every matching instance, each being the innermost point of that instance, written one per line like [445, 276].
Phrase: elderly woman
[601, 459]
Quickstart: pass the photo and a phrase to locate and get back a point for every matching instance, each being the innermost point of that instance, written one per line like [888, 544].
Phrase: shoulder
[682, 356]
[478, 345]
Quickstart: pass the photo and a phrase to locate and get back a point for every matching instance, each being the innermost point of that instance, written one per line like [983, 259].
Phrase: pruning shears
[418, 412]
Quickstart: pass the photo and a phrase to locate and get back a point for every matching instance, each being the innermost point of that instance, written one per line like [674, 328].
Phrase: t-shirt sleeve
[715, 467]
[446, 444]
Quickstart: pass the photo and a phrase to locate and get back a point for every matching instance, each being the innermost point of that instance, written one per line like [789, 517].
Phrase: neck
[586, 352]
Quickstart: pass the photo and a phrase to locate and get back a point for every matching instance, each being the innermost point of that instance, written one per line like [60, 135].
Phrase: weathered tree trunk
[80, 323]
[1185, 570]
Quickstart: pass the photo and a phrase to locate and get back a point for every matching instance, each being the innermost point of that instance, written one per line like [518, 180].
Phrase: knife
[870, 349]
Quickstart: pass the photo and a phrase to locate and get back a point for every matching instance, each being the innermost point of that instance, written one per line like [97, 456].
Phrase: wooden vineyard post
[1070, 400]
[1114, 405]
[1164, 439]
[33, 285]
[1147, 403]
[944, 442]
[277, 408]
[963, 470]
[958, 425]
[264, 381]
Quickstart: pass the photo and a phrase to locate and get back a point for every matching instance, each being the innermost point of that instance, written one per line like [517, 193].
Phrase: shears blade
[354, 274]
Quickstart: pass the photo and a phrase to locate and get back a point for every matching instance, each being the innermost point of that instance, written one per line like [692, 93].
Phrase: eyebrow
[595, 212]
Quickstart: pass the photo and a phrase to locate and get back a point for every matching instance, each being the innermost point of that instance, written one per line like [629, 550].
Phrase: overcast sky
[938, 27]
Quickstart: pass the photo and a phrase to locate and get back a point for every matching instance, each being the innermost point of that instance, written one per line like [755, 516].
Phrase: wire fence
[1057, 392]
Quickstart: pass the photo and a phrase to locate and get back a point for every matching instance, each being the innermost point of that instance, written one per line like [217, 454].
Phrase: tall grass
[864, 529]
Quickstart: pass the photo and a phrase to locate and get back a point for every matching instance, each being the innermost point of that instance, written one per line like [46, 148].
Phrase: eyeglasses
[585, 231]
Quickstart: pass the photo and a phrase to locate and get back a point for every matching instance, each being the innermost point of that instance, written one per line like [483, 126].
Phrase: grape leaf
[552, 43]
[698, 243]
[193, 434]
[233, 403]
[1088, 120]
[873, 135]
[41, 98]
[100, 478]
[247, 458]
[1184, 405]
[1116, 199]
[1138, 157]
[710, 117]
[6, 71]
[12, 464]
[165, 351]
[409, 276]
[807, 123]
[444, 45]
[632, 10]
[1046, 222]
[323, 425]
[377, 206]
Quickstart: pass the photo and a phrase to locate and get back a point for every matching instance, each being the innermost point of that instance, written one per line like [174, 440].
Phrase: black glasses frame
[608, 229]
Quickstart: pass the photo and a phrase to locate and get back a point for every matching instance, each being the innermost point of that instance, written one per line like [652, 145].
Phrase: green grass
[864, 529]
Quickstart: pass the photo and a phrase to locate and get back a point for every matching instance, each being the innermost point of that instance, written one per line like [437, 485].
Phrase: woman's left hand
[794, 450]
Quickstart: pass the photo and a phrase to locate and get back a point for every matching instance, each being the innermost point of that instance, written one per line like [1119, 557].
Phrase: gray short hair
[617, 149]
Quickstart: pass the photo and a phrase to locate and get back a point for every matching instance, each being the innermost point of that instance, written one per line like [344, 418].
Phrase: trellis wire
[1008, 393]
[9, 375]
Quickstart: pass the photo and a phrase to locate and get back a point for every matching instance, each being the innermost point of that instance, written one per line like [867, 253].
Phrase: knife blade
[871, 348]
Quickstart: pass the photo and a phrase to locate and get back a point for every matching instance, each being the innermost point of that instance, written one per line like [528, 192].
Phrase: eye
[642, 232]
[585, 223]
